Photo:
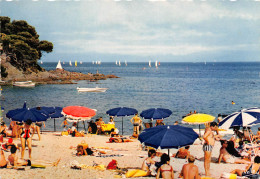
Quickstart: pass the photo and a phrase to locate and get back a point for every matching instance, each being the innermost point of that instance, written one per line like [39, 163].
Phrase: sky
[139, 30]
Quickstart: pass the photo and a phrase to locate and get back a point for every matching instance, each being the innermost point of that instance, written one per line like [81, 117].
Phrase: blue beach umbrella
[121, 112]
[24, 114]
[242, 118]
[12, 113]
[168, 136]
[156, 113]
[45, 110]
[56, 114]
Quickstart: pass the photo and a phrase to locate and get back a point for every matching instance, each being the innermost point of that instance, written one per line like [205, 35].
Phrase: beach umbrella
[242, 118]
[11, 113]
[78, 113]
[156, 113]
[168, 136]
[56, 114]
[198, 119]
[24, 114]
[46, 110]
[121, 112]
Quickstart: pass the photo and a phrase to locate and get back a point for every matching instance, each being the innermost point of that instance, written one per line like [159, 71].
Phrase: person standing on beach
[26, 137]
[209, 139]
[136, 121]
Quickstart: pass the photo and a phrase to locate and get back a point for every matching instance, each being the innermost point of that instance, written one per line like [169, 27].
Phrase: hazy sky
[141, 30]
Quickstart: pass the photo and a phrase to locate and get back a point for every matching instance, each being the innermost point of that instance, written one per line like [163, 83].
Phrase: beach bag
[64, 133]
[112, 165]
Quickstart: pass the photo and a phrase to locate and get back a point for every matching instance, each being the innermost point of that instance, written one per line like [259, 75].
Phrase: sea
[181, 87]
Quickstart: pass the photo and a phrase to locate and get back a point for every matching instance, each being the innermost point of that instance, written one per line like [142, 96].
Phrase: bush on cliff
[21, 43]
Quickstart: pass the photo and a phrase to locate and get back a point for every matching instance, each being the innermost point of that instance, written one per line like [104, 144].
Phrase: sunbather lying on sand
[182, 153]
[14, 161]
[227, 158]
[119, 139]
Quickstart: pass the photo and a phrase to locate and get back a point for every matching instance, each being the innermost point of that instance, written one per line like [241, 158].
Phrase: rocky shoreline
[58, 76]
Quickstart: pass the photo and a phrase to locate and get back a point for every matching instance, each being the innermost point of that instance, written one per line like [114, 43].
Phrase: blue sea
[181, 87]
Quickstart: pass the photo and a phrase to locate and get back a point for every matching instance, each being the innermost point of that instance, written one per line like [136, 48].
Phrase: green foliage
[21, 39]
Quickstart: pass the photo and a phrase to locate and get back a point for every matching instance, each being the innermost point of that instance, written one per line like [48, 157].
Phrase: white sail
[150, 63]
[125, 63]
[41, 62]
[93, 62]
[80, 62]
[99, 62]
[70, 63]
[116, 62]
[96, 62]
[59, 65]
[156, 65]
[119, 63]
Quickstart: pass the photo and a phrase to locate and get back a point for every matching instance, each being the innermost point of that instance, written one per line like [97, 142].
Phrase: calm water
[180, 87]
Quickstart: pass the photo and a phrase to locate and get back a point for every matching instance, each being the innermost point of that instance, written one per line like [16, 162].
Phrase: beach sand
[52, 147]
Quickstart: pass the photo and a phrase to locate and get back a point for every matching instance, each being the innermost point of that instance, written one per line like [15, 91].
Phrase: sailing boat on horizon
[125, 63]
[76, 63]
[70, 63]
[119, 64]
[156, 64]
[41, 62]
[150, 63]
[116, 62]
[59, 65]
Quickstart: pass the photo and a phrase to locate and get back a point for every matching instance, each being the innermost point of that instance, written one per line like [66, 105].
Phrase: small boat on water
[97, 89]
[24, 84]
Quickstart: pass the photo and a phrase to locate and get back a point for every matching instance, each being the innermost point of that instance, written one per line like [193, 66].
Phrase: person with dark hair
[182, 152]
[26, 136]
[209, 139]
[190, 170]
[166, 169]
[250, 169]
[227, 158]
[14, 161]
[148, 162]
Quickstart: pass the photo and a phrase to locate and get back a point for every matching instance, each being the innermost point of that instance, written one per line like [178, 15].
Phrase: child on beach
[166, 169]
[64, 124]
[14, 161]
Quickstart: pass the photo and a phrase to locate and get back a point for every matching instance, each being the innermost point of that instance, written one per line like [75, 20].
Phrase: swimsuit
[249, 171]
[169, 170]
[5, 166]
[26, 134]
[231, 159]
[207, 147]
[136, 124]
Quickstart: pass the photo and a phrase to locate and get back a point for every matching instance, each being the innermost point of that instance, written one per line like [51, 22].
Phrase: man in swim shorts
[209, 139]
[136, 121]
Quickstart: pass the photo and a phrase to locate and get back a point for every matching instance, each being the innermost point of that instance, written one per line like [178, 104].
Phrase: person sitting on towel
[82, 151]
[14, 161]
[182, 152]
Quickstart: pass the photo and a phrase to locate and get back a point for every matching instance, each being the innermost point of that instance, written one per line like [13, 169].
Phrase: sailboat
[119, 64]
[116, 62]
[80, 62]
[156, 65]
[125, 63]
[70, 63]
[59, 65]
[41, 62]
[63, 63]
[93, 62]
[76, 63]
[150, 63]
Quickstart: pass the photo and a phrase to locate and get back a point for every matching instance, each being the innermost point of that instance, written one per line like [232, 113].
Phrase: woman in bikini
[250, 169]
[148, 162]
[166, 169]
[38, 126]
[26, 136]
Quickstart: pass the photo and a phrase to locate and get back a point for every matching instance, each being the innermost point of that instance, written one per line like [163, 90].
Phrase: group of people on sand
[158, 164]
[231, 151]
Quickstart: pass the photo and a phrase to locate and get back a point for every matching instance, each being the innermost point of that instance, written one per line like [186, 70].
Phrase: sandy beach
[53, 146]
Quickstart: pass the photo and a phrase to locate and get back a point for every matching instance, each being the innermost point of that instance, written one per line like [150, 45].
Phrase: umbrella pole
[54, 126]
[84, 125]
[199, 131]
[122, 127]
[169, 152]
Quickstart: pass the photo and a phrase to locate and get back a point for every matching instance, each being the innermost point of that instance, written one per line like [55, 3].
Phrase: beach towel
[136, 173]
[112, 165]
